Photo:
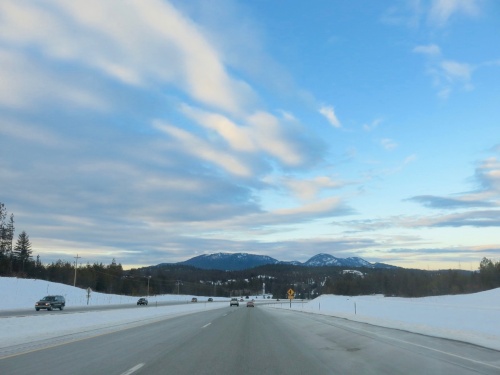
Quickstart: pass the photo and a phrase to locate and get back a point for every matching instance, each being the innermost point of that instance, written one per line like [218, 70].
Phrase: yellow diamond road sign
[291, 293]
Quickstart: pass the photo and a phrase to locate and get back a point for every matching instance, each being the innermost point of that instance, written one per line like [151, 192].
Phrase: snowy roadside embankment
[24, 329]
[23, 293]
[20, 294]
[473, 318]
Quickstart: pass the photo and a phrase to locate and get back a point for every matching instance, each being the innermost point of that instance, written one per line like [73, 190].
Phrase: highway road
[260, 340]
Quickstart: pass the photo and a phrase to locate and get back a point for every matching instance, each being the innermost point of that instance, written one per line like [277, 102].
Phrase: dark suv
[51, 302]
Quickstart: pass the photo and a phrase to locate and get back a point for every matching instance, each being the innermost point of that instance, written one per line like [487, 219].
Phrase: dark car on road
[142, 301]
[50, 302]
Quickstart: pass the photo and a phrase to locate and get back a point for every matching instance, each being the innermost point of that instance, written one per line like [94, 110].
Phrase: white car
[234, 301]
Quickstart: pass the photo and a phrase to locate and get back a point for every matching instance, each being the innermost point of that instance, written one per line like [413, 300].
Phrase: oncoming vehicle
[142, 301]
[234, 302]
[50, 302]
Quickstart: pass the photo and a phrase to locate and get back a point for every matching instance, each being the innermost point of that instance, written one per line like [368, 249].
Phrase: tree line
[416, 283]
[15, 258]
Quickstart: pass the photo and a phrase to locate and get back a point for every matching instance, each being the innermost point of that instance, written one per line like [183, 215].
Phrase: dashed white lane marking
[206, 325]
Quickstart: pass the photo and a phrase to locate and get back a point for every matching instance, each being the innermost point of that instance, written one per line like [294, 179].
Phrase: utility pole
[76, 265]
[178, 283]
[149, 278]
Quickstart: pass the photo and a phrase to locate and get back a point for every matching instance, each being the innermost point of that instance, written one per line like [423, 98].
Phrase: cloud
[487, 176]
[431, 201]
[308, 189]
[253, 140]
[329, 113]
[31, 133]
[446, 74]
[25, 85]
[431, 50]
[442, 10]
[434, 13]
[454, 70]
[373, 125]
[323, 206]
[205, 150]
[478, 219]
[388, 144]
[271, 137]
[148, 43]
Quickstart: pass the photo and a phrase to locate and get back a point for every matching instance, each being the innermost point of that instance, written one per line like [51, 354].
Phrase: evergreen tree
[22, 250]
[6, 239]
[3, 229]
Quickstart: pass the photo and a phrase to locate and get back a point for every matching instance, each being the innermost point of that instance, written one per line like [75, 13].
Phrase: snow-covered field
[472, 318]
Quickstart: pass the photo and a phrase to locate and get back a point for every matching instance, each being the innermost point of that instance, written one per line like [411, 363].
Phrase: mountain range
[242, 261]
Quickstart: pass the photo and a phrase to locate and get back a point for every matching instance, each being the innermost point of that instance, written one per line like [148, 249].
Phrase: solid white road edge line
[133, 369]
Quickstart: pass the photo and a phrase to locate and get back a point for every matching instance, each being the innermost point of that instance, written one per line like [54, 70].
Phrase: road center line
[133, 369]
[206, 325]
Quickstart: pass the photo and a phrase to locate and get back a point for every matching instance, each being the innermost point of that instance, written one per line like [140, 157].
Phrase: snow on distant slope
[320, 260]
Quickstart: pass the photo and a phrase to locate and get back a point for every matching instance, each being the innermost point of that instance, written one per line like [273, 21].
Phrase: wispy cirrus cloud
[388, 144]
[477, 219]
[373, 125]
[308, 188]
[447, 74]
[486, 176]
[329, 113]
[441, 11]
[432, 201]
[430, 50]
[434, 13]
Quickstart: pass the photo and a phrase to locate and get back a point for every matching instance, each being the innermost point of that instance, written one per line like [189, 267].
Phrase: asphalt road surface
[259, 340]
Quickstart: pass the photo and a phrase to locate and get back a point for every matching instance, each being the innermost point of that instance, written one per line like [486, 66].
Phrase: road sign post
[291, 295]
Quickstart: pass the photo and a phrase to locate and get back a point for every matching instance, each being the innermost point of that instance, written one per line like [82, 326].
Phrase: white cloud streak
[442, 10]
[329, 113]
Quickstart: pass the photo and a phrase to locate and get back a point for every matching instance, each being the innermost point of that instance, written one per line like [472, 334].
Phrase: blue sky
[152, 131]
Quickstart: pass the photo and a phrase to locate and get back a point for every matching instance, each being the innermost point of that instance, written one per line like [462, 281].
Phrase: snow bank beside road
[23, 293]
[24, 329]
